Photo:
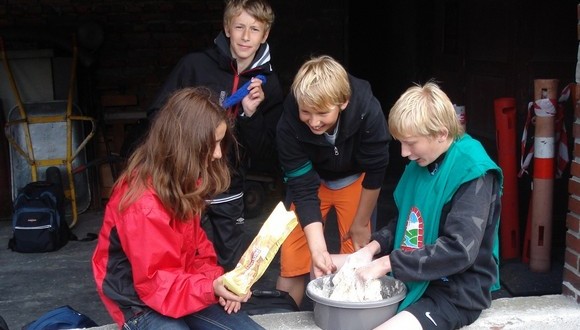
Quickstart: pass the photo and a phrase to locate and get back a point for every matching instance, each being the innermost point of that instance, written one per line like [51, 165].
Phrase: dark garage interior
[478, 51]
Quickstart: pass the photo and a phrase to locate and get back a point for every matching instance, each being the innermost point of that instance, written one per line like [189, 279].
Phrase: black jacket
[362, 145]
[215, 68]
[463, 269]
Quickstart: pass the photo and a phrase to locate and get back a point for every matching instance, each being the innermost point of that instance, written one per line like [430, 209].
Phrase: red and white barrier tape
[543, 108]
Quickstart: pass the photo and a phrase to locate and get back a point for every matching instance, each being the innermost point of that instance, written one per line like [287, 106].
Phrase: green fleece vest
[420, 198]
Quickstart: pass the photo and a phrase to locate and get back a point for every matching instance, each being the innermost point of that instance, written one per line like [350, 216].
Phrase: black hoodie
[217, 69]
[362, 145]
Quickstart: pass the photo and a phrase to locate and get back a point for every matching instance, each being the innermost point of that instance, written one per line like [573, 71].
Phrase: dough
[346, 286]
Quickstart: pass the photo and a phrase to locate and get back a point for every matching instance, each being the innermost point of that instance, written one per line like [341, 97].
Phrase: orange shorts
[295, 257]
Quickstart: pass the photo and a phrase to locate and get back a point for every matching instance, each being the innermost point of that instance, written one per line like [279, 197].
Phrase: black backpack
[38, 221]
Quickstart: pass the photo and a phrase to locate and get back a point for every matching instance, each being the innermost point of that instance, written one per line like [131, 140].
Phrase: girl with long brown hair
[154, 265]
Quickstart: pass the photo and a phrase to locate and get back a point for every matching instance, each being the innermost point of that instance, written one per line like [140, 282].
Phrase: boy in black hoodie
[333, 146]
[239, 55]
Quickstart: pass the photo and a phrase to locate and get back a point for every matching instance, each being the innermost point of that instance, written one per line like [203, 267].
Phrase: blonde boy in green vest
[443, 244]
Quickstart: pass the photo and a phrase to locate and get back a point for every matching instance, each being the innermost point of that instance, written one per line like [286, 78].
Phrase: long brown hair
[175, 159]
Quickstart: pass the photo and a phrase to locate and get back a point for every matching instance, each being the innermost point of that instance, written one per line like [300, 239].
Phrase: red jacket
[145, 259]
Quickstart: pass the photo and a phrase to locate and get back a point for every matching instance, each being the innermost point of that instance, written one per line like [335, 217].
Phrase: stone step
[529, 313]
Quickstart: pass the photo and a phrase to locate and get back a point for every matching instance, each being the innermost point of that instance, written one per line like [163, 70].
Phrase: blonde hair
[424, 111]
[321, 83]
[258, 9]
[176, 157]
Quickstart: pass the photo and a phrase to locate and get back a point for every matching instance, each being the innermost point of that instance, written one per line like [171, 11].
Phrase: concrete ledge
[530, 313]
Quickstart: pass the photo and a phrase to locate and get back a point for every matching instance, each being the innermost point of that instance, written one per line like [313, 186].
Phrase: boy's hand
[322, 264]
[359, 258]
[376, 269]
[256, 95]
[360, 235]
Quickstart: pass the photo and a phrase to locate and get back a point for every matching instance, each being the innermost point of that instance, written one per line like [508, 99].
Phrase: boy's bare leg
[402, 320]
[294, 286]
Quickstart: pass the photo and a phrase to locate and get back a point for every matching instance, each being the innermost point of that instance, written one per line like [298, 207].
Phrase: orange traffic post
[505, 130]
[546, 96]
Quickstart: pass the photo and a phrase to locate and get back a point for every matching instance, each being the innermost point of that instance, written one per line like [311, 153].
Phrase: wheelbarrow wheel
[254, 196]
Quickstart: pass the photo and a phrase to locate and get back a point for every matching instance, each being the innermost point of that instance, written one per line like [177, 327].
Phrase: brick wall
[571, 274]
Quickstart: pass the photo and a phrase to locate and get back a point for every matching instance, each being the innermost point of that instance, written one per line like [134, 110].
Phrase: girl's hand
[229, 300]
[230, 305]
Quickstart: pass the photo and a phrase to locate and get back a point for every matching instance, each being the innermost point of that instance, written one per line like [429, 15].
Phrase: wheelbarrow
[42, 135]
